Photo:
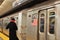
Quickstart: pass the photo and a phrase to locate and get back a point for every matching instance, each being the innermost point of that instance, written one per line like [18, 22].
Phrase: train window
[52, 13]
[42, 23]
[51, 22]
[34, 19]
[42, 15]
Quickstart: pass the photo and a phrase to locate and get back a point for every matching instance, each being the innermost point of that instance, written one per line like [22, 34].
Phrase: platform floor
[3, 37]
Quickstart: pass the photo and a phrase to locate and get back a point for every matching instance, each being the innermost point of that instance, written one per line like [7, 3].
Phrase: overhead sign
[18, 2]
[14, 4]
[21, 1]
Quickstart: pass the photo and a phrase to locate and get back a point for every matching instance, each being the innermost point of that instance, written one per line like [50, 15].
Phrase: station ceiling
[1, 1]
[7, 5]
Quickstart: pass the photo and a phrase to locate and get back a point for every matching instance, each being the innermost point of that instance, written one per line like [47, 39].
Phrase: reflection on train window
[42, 15]
[42, 23]
[33, 17]
[52, 22]
[52, 13]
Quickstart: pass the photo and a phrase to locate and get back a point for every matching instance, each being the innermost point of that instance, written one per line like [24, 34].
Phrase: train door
[51, 24]
[32, 18]
[47, 24]
[42, 25]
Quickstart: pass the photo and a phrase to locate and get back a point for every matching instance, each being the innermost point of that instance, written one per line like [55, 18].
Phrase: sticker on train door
[34, 22]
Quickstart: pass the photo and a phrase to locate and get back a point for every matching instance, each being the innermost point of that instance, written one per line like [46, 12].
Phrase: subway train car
[43, 22]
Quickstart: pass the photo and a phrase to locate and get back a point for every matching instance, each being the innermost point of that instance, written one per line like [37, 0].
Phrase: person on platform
[12, 29]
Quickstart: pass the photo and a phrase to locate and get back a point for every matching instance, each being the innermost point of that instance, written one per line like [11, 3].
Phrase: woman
[12, 29]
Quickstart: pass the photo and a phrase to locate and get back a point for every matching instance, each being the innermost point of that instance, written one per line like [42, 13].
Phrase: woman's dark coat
[12, 30]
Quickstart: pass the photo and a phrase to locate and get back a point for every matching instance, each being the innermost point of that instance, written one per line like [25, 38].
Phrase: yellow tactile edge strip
[4, 37]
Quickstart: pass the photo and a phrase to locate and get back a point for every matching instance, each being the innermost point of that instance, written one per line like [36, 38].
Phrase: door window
[42, 22]
[51, 22]
[34, 19]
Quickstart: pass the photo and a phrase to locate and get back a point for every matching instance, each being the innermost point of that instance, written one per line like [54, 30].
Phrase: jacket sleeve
[7, 26]
[16, 27]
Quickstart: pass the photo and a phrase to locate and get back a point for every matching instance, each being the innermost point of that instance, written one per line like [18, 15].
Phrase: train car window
[52, 13]
[42, 15]
[51, 22]
[42, 23]
[34, 19]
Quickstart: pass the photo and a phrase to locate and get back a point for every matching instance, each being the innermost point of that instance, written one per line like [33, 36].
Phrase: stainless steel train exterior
[43, 21]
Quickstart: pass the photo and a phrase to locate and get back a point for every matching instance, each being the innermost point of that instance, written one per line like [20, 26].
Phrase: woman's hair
[12, 18]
